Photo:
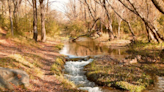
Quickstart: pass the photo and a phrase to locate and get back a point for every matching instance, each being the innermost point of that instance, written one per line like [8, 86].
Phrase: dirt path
[42, 53]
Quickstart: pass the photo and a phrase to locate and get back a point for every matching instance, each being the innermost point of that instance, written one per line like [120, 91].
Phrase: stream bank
[121, 67]
[142, 70]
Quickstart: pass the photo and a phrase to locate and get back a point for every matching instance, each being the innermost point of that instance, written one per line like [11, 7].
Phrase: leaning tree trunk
[150, 27]
[158, 5]
[109, 28]
[35, 32]
[10, 16]
[43, 30]
[129, 25]
[93, 17]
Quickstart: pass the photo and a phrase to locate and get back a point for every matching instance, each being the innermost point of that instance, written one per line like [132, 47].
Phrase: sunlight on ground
[23, 62]
[2, 31]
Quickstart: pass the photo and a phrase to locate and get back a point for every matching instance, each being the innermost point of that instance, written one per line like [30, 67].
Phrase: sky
[59, 4]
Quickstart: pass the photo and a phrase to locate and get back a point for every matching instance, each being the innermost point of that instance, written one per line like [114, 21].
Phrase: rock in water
[14, 76]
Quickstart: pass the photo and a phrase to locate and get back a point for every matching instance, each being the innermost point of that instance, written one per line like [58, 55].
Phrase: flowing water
[74, 72]
[87, 47]
[159, 85]
[74, 69]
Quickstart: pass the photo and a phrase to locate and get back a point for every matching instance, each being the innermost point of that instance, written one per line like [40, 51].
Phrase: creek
[86, 47]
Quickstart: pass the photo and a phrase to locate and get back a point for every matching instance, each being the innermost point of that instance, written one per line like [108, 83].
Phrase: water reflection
[88, 47]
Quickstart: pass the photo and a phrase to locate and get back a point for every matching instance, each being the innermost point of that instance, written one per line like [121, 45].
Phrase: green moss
[130, 87]
[111, 74]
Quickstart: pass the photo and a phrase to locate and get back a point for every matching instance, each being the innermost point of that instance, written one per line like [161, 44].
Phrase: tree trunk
[130, 28]
[2, 20]
[10, 16]
[109, 28]
[43, 30]
[148, 34]
[158, 5]
[17, 4]
[47, 6]
[15, 18]
[129, 25]
[148, 24]
[119, 27]
[35, 32]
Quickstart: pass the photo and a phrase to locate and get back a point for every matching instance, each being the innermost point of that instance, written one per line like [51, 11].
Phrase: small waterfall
[74, 72]
[159, 85]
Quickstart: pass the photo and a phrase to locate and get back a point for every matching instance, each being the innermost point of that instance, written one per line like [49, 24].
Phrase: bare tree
[148, 24]
[129, 25]
[3, 10]
[10, 16]
[16, 4]
[95, 19]
[35, 32]
[43, 30]
[109, 26]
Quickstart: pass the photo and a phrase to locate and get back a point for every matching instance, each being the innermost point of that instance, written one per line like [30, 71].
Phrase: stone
[13, 76]
[77, 58]
[129, 61]
[133, 61]
[5, 84]
[138, 57]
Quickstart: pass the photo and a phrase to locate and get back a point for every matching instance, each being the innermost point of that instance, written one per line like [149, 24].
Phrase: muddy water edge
[111, 67]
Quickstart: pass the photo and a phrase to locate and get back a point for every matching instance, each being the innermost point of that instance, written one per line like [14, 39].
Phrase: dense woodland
[32, 32]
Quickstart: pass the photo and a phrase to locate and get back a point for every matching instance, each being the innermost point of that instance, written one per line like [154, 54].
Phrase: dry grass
[36, 59]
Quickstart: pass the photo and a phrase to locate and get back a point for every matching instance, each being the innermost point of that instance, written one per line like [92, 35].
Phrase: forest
[82, 45]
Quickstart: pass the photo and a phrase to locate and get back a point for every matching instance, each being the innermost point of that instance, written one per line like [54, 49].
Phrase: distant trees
[111, 13]
[16, 4]
[20, 12]
[88, 17]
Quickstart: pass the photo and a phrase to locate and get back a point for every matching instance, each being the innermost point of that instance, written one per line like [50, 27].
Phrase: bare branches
[30, 3]
[89, 9]
[159, 6]
[130, 28]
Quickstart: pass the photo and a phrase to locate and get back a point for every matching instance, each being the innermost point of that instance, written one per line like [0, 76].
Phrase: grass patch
[58, 65]
[128, 77]
[130, 87]
[141, 45]
[56, 68]
[26, 65]
[59, 46]
[66, 83]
